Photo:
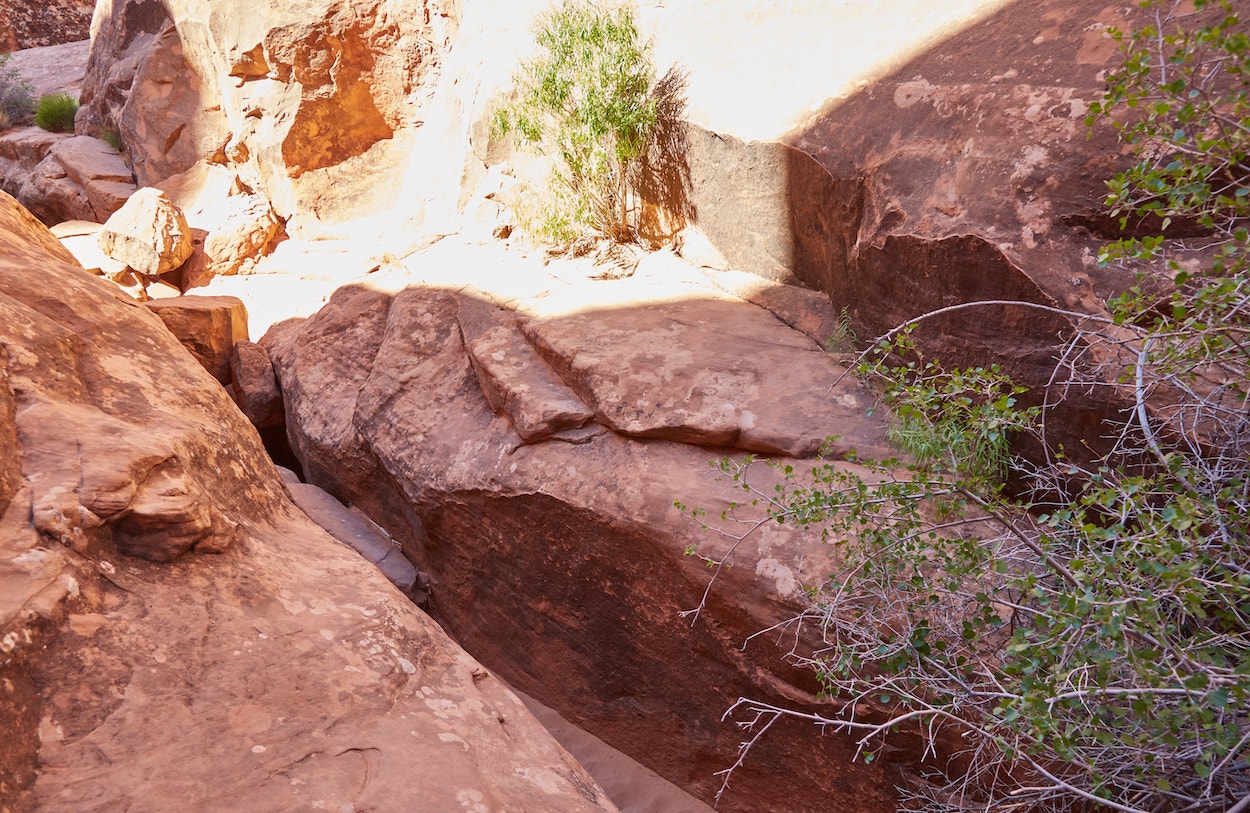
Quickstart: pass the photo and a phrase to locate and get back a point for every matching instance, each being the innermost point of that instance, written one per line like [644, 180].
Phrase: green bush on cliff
[590, 101]
[1083, 644]
[15, 94]
[55, 112]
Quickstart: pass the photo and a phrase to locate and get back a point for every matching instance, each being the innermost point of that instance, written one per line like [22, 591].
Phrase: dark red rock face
[968, 174]
[24, 24]
[560, 562]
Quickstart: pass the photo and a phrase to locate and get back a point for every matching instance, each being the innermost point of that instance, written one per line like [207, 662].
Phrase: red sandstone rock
[285, 674]
[561, 564]
[208, 326]
[254, 386]
[50, 22]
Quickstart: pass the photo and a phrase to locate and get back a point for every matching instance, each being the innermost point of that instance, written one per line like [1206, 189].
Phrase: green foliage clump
[590, 100]
[112, 138]
[15, 94]
[1085, 639]
[55, 112]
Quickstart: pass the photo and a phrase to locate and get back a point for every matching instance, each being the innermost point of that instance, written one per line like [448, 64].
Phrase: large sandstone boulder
[963, 173]
[207, 326]
[149, 233]
[283, 674]
[528, 458]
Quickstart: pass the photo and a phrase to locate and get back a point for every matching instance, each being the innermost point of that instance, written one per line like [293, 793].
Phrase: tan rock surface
[79, 236]
[149, 234]
[284, 674]
[21, 150]
[301, 101]
[54, 68]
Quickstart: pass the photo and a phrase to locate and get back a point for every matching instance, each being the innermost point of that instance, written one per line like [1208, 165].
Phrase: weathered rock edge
[284, 671]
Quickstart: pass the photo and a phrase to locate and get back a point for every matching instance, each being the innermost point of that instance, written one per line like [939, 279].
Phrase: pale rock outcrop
[81, 238]
[302, 102]
[80, 178]
[207, 326]
[284, 674]
[149, 234]
[234, 227]
[139, 86]
[555, 552]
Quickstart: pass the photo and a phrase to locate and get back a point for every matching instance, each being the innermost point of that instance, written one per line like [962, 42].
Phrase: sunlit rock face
[25, 24]
[301, 101]
[137, 672]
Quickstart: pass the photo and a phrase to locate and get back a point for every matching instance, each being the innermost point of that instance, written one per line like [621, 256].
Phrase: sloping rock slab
[283, 675]
[563, 565]
[709, 372]
[518, 383]
[357, 532]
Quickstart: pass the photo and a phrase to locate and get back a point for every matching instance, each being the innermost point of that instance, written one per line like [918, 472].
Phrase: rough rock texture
[234, 227]
[21, 150]
[208, 326]
[24, 24]
[312, 97]
[285, 672]
[709, 373]
[966, 174]
[559, 561]
[149, 234]
[79, 178]
[253, 385]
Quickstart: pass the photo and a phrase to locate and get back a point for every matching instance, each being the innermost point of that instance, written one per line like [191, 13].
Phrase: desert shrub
[112, 138]
[1086, 641]
[15, 94]
[55, 112]
[589, 100]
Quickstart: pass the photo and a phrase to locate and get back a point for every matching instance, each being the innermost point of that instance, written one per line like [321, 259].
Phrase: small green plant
[111, 138]
[590, 100]
[55, 112]
[15, 94]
